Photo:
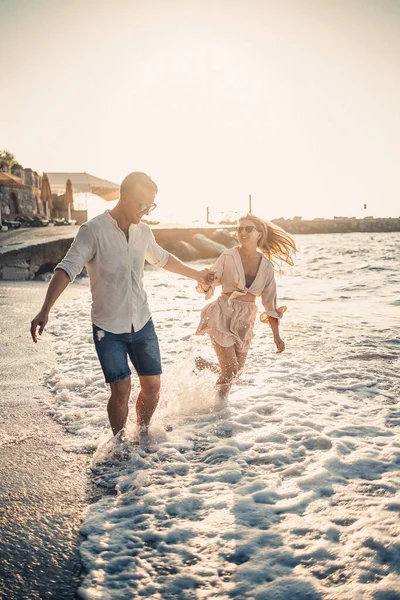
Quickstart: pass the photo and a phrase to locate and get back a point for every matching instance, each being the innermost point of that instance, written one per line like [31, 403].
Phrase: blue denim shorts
[113, 350]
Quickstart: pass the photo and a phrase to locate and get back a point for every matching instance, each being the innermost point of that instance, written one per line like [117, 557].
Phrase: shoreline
[44, 490]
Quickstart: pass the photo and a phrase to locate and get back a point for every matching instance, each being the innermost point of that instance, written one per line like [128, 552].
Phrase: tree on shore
[7, 157]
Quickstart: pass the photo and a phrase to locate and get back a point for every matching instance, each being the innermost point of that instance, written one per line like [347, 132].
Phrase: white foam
[290, 489]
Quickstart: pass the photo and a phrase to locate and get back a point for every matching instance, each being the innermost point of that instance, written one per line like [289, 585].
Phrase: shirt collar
[132, 226]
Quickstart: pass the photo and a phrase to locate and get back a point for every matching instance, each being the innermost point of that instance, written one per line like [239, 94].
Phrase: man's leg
[147, 399]
[118, 404]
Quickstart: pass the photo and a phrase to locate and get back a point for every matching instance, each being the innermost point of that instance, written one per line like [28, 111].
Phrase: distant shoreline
[339, 225]
[298, 225]
[27, 253]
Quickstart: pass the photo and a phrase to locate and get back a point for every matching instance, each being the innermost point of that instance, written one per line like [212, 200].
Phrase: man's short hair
[138, 178]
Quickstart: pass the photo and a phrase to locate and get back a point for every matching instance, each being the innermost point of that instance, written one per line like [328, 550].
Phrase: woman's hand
[205, 277]
[279, 343]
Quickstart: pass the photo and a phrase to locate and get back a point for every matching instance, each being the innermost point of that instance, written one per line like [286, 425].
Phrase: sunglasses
[247, 229]
[143, 206]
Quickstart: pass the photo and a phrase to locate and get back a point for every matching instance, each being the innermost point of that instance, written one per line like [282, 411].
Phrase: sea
[287, 491]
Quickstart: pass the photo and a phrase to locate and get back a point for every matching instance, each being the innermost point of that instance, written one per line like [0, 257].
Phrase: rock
[207, 248]
[185, 251]
[225, 237]
[15, 274]
[16, 262]
[55, 251]
[37, 257]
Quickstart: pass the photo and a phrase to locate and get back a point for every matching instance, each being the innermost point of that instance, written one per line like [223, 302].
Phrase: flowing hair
[275, 243]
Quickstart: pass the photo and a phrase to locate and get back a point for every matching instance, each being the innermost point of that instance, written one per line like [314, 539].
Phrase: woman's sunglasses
[247, 229]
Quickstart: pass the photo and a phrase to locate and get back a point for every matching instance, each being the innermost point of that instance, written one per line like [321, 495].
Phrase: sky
[295, 102]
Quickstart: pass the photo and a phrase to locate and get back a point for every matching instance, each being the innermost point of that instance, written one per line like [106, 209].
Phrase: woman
[244, 272]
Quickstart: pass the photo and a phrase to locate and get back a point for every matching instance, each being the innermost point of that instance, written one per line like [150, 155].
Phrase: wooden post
[249, 204]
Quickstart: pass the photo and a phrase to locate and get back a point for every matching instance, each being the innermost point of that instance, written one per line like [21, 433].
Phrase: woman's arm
[272, 314]
[214, 278]
[279, 343]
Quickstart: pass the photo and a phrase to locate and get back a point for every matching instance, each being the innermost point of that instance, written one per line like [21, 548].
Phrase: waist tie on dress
[236, 294]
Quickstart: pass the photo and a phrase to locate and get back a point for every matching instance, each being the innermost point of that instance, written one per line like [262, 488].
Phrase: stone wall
[28, 176]
[26, 201]
[17, 198]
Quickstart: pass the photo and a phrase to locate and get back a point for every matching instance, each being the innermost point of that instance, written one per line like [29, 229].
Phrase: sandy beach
[43, 489]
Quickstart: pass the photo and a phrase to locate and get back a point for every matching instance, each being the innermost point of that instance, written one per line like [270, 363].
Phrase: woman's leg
[229, 368]
[241, 359]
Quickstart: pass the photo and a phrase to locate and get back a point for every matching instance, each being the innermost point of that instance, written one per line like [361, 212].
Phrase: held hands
[205, 279]
[39, 321]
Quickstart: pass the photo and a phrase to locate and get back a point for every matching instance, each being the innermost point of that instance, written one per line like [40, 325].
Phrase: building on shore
[92, 195]
[19, 191]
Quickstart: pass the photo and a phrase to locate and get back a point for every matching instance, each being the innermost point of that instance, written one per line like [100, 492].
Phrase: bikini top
[249, 279]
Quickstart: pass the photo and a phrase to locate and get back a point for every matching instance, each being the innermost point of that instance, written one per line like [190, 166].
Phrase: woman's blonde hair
[275, 243]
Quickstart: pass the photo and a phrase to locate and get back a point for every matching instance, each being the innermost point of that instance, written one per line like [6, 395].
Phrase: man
[114, 247]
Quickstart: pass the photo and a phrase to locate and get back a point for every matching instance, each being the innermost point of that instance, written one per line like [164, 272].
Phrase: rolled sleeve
[81, 252]
[269, 301]
[218, 268]
[155, 255]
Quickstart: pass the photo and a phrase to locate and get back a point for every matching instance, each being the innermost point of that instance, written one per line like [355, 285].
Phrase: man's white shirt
[115, 268]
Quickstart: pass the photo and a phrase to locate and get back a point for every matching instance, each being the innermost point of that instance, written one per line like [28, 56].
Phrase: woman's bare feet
[202, 364]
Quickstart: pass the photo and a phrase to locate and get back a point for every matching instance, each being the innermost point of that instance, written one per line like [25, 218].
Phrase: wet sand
[43, 489]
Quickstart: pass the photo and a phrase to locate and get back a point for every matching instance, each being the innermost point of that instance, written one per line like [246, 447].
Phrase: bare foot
[202, 364]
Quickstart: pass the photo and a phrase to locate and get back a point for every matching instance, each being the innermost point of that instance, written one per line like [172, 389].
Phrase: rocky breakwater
[339, 225]
[27, 253]
[24, 256]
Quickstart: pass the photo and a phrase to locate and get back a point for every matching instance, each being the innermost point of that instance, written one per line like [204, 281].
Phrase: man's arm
[174, 265]
[80, 252]
[157, 256]
[57, 285]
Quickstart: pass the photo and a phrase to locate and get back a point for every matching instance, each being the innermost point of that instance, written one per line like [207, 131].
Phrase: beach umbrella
[68, 198]
[46, 194]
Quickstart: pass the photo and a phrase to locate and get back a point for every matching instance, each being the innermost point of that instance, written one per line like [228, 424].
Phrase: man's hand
[39, 321]
[205, 277]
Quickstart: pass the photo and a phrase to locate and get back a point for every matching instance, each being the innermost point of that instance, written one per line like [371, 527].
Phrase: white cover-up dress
[228, 320]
